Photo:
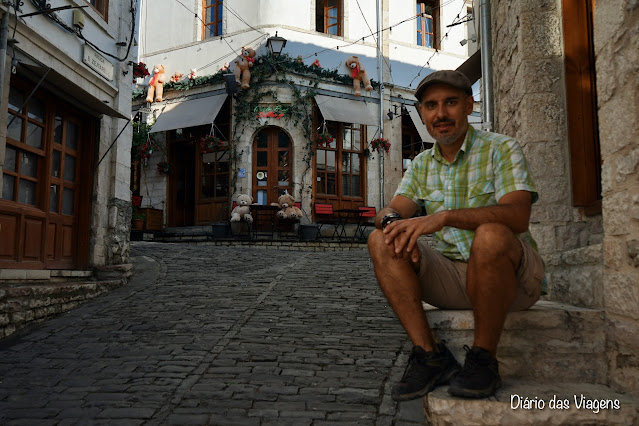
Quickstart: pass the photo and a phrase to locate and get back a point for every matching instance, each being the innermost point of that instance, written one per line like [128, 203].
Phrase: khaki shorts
[443, 280]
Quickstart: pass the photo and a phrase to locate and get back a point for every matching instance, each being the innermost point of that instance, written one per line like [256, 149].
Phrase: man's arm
[512, 210]
[401, 205]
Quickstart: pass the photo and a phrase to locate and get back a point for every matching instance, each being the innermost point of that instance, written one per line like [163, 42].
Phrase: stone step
[599, 406]
[549, 341]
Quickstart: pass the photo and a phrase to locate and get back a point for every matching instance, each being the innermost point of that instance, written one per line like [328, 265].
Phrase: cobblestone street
[217, 335]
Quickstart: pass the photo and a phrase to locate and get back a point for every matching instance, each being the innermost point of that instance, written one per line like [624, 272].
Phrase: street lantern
[275, 44]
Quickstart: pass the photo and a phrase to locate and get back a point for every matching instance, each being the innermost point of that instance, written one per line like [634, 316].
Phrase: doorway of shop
[181, 184]
[272, 165]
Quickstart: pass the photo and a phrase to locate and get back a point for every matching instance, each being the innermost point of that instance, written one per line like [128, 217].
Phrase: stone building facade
[590, 249]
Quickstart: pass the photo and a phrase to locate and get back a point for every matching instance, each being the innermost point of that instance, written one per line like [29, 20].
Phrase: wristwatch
[390, 217]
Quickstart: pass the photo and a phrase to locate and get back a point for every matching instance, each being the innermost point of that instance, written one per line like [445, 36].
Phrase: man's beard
[448, 139]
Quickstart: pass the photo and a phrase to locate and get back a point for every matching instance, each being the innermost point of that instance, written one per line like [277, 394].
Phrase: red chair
[367, 220]
[324, 216]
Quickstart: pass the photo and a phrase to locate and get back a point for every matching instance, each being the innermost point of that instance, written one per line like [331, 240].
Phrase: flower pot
[220, 230]
[308, 232]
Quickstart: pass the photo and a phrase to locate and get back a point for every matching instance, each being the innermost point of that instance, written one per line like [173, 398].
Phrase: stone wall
[617, 50]
[530, 105]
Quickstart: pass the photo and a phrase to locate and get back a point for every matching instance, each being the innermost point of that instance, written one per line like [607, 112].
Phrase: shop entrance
[272, 165]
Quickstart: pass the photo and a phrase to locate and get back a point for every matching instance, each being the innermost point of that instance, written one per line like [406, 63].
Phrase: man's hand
[403, 234]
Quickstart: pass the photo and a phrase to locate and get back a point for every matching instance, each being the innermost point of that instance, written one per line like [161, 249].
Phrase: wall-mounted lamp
[230, 84]
[473, 39]
[402, 111]
[275, 44]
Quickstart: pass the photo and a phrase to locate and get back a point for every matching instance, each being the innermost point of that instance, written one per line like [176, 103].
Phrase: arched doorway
[272, 165]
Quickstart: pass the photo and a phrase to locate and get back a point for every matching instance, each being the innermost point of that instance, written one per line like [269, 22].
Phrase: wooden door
[272, 165]
[182, 183]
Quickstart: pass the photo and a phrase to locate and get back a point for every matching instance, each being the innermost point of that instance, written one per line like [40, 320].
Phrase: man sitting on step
[478, 191]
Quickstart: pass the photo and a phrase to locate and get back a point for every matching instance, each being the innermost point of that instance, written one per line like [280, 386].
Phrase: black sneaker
[480, 376]
[424, 371]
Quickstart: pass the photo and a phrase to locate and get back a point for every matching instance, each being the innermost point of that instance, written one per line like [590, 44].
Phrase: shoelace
[471, 364]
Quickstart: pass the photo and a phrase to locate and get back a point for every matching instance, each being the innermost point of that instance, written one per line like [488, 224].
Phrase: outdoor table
[345, 216]
[263, 220]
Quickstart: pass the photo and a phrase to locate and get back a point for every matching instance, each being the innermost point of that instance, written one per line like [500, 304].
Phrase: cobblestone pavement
[216, 335]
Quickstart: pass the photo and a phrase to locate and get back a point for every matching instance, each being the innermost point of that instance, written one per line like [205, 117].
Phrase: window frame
[323, 12]
[338, 130]
[217, 6]
[101, 7]
[421, 23]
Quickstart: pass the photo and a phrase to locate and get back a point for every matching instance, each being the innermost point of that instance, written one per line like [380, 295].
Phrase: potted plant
[324, 139]
[378, 144]
[137, 220]
[210, 143]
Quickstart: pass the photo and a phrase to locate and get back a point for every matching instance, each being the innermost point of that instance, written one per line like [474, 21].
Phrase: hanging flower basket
[378, 144]
[165, 168]
[145, 149]
[140, 70]
[316, 64]
[324, 139]
[211, 144]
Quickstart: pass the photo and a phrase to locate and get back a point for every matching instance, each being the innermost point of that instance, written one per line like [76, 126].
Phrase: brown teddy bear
[286, 203]
[243, 209]
[359, 74]
[243, 63]
[156, 85]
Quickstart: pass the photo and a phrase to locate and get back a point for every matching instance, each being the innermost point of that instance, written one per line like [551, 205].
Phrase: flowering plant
[140, 70]
[378, 144]
[145, 149]
[316, 64]
[210, 143]
[324, 139]
[165, 167]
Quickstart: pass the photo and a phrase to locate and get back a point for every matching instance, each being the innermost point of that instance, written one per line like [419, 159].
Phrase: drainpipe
[4, 30]
[486, 66]
[380, 76]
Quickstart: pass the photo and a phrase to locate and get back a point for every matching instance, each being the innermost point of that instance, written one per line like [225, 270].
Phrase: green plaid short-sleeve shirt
[487, 167]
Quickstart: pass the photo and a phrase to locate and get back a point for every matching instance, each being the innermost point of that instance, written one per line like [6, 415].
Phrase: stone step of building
[549, 341]
[530, 403]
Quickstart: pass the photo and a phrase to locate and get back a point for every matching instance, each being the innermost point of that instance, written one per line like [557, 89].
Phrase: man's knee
[494, 240]
[377, 248]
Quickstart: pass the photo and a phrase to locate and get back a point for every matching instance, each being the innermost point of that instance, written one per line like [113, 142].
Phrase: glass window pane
[332, 14]
[34, 135]
[72, 135]
[419, 39]
[67, 201]
[28, 164]
[357, 143]
[219, 28]
[262, 158]
[261, 197]
[282, 158]
[330, 161]
[429, 40]
[222, 167]
[346, 163]
[347, 138]
[330, 184]
[321, 159]
[262, 178]
[321, 183]
[57, 131]
[16, 98]
[207, 187]
[26, 192]
[222, 185]
[209, 15]
[283, 140]
[282, 178]
[346, 185]
[332, 30]
[14, 131]
[36, 109]
[262, 140]
[55, 163]
[53, 199]
[69, 168]
[10, 159]
[7, 186]
[355, 162]
[356, 186]
[220, 6]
